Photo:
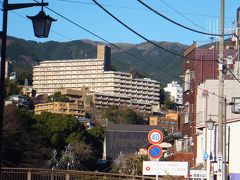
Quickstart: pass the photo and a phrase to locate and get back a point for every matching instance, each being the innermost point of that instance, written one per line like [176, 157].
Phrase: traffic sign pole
[157, 169]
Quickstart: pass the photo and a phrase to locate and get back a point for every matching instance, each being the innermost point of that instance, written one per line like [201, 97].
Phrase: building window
[199, 119]
[186, 113]
[187, 80]
[185, 144]
[236, 105]
[192, 76]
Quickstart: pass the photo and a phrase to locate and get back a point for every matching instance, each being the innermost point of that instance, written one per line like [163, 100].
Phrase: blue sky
[200, 15]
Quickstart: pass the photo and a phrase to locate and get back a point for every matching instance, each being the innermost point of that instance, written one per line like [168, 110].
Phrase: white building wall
[207, 106]
[200, 149]
[176, 92]
[234, 156]
[52, 76]
[231, 89]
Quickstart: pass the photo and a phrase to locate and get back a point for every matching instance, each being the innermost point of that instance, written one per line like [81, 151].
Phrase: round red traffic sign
[155, 136]
[155, 151]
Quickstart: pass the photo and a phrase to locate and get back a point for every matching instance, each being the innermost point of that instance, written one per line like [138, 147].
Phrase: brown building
[170, 123]
[74, 107]
[104, 101]
[66, 108]
[200, 63]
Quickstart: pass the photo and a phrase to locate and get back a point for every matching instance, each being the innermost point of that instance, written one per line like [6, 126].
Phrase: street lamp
[210, 123]
[210, 126]
[45, 23]
[41, 24]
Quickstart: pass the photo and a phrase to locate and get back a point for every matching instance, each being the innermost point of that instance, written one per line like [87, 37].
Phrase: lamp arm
[24, 5]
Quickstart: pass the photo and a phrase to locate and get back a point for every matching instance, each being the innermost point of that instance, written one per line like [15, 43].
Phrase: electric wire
[143, 37]
[94, 34]
[60, 34]
[181, 14]
[168, 73]
[129, 53]
[238, 39]
[134, 8]
[178, 24]
[109, 5]
[233, 75]
[146, 39]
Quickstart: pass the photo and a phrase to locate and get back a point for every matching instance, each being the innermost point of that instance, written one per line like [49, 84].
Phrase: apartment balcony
[98, 102]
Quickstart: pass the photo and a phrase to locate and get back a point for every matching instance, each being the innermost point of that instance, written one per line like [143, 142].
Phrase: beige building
[67, 108]
[74, 107]
[170, 123]
[52, 76]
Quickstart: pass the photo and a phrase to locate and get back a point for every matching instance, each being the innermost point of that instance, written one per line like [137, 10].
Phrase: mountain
[149, 60]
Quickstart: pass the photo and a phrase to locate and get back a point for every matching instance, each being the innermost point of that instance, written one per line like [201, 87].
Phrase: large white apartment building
[175, 91]
[54, 75]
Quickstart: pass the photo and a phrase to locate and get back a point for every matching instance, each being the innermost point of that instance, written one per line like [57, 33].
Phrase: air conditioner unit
[229, 60]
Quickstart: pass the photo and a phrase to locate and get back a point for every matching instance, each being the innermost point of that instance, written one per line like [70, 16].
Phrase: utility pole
[221, 95]
[224, 139]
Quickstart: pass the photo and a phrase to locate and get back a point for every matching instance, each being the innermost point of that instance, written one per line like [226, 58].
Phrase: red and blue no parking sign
[155, 152]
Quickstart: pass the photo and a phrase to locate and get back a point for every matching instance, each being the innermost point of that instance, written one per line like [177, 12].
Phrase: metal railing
[44, 174]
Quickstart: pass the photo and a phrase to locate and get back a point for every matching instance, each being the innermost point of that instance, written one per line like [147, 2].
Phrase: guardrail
[46, 174]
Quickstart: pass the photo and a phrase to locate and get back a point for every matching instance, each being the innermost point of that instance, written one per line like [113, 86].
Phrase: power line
[181, 14]
[134, 8]
[123, 49]
[143, 37]
[125, 7]
[129, 53]
[230, 71]
[178, 24]
[109, 5]
[60, 34]
[151, 42]
[233, 75]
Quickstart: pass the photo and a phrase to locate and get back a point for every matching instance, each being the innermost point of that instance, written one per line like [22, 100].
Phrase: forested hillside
[148, 60]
